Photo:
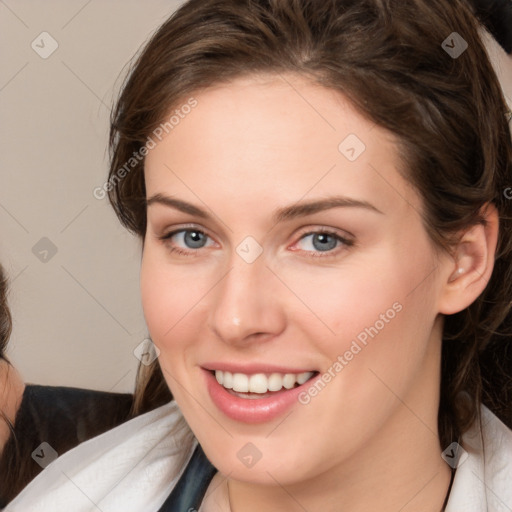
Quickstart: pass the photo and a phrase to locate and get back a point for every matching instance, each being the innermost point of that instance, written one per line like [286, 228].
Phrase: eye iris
[327, 242]
[194, 239]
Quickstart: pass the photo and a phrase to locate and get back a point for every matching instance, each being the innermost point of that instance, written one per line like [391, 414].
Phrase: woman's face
[282, 240]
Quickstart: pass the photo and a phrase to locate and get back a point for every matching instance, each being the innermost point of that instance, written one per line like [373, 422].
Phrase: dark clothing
[63, 417]
[188, 493]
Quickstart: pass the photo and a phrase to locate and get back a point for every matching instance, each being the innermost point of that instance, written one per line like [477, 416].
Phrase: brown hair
[387, 57]
[5, 333]
[5, 315]
[5, 330]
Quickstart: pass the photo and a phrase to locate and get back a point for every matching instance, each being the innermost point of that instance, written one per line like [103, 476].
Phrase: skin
[11, 394]
[369, 440]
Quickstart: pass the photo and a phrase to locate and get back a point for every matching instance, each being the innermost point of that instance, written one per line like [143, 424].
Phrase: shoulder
[64, 397]
[70, 415]
[497, 440]
[497, 453]
[484, 473]
[59, 417]
[11, 395]
[133, 466]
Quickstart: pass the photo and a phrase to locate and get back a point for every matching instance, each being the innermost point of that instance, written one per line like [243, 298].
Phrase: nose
[247, 304]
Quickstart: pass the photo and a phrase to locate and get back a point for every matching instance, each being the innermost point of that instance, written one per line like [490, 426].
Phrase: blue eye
[324, 242]
[192, 239]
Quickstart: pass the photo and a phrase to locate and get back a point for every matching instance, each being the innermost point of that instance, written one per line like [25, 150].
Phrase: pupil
[194, 239]
[323, 240]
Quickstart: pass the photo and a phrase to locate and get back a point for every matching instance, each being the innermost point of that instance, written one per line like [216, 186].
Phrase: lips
[241, 404]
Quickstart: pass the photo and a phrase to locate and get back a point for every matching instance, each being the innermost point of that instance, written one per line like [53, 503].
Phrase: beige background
[77, 315]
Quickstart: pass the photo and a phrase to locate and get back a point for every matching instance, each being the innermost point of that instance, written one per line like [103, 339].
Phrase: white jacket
[128, 469]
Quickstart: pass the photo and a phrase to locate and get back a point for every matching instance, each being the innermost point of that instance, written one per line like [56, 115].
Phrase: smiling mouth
[260, 385]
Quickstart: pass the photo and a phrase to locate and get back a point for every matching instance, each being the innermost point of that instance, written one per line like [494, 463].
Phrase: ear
[467, 273]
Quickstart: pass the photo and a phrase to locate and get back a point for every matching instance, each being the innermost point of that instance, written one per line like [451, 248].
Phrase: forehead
[276, 137]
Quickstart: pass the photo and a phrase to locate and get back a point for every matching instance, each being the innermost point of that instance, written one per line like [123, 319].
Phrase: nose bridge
[245, 302]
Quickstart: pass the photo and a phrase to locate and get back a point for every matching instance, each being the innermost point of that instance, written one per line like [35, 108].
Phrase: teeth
[303, 377]
[275, 382]
[259, 382]
[227, 380]
[289, 380]
[240, 383]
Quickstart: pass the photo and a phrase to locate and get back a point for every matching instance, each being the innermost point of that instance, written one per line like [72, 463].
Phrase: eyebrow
[280, 215]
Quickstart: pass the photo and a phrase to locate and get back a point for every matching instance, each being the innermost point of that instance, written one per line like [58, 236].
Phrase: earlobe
[470, 269]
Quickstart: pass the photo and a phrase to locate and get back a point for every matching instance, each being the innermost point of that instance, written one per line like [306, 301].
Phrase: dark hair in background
[496, 15]
[386, 57]
[5, 332]
[5, 315]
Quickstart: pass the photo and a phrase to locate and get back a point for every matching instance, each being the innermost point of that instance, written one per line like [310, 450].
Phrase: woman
[11, 384]
[59, 417]
[319, 188]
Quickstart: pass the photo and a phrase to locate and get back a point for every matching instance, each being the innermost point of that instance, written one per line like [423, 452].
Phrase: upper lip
[252, 368]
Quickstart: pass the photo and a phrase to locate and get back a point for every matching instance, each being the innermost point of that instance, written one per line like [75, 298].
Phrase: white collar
[483, 482]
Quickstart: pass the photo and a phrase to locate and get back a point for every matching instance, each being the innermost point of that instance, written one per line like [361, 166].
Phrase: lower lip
[248, 410]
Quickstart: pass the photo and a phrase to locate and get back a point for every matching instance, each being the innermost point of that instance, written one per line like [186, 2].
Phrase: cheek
[342, 301]
[174, 301]
[387, 295]
[168, 303]
[166, 296]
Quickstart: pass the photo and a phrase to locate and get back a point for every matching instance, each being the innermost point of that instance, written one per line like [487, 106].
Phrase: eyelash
[316, 254]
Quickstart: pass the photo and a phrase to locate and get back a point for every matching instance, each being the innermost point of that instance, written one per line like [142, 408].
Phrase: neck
[11, 393]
